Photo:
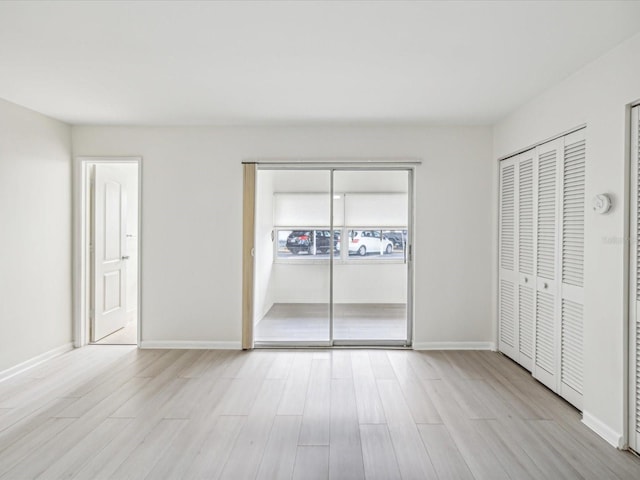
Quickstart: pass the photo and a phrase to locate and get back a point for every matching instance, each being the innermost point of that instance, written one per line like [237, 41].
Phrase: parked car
[362, 242]
[398, 238]
[302, 241]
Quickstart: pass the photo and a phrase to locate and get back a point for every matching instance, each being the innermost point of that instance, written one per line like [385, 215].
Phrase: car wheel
[389, 249]
[362, 251]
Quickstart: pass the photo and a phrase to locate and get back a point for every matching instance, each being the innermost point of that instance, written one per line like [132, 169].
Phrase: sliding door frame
[249, 242]
[248, 252]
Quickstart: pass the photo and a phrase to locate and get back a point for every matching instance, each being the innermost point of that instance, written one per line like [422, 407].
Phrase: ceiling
[297, 63]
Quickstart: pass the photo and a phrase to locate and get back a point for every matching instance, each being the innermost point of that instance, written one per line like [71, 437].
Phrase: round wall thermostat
[601, 203]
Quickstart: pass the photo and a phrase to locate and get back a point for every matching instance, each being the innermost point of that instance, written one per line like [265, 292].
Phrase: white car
[362, 242]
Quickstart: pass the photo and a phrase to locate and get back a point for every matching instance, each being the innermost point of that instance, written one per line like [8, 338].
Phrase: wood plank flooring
[118, 412]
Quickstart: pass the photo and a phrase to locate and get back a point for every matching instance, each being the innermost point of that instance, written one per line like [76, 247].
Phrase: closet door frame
[634, 304]
[558, 262]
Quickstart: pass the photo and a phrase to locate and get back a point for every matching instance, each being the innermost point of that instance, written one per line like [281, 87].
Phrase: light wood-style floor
[117, 412]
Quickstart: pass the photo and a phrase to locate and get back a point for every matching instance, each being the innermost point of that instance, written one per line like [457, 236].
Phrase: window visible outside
[303, 242]
[378, 244]
[371, 244]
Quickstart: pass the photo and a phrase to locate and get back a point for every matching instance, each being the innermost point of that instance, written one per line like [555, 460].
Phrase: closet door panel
[547, 213]
[526, 319]
[545, 356]
[545, 365]
[572, 267]
[572, 364]
[526, 257]
[508, 258]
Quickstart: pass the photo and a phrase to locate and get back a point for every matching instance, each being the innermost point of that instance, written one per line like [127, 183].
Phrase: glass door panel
[293, 250]
[370, 270]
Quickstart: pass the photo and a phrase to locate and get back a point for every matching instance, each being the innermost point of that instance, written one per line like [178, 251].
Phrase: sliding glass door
[331, 260]
[370, 272]
[293, 249]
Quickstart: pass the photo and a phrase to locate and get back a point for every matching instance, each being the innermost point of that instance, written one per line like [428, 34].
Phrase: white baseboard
[37, 360]
[454, 346]
[606, 432]
[190, 345]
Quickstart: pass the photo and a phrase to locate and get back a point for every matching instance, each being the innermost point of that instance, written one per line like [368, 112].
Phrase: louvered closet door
[546, 353]
[572, 261]
[508, 277]
[634, 308]
[526, 257]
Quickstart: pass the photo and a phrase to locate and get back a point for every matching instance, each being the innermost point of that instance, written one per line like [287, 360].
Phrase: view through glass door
[292, 257]
[331, 257]
[370, 268]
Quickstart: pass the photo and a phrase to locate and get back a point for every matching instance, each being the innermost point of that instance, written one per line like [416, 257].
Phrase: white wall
[192, 219]
[353, 283]
[35, 235]
[598, 96]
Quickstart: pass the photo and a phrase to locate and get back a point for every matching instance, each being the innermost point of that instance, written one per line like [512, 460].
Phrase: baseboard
[611, 436]
[454, 346]
[35, 361]
[190, 345]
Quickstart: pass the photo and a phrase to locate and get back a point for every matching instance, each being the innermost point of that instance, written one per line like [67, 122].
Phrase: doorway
[332, 256]
[110, 257]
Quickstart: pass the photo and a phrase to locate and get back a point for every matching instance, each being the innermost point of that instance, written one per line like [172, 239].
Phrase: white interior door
[109, 255]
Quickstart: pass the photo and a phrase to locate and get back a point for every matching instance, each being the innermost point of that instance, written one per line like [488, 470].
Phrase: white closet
[541, 262]
[634, 296]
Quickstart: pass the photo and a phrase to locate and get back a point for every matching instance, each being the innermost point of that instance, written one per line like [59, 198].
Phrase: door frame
[248, 245]
[631, 256]
[81, 245]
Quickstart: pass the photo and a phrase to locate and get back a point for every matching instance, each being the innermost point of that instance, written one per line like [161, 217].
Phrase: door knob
[545, 286]
[125, 257]
[526, 280]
